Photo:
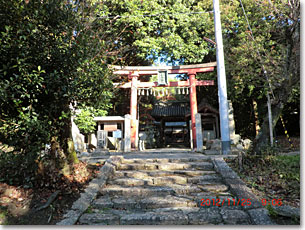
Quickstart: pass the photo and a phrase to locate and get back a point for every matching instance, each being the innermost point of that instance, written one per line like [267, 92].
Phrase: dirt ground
[19, 205]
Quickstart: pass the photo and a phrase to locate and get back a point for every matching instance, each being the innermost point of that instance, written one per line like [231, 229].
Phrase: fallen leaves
[272, 177]
[17, 199]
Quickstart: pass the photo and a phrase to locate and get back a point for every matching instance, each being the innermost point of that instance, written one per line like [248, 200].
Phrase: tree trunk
[66, 140]
[262, 140]
[256, 120]
[62, 147]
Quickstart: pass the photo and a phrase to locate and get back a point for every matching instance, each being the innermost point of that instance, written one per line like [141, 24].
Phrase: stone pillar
[193, 102]
[217, 127]
[92, 139]
[102, 139]
[231, 120]
[133, 109]
[191, 135]
[199, 140]
[137, 134]
[78, 138]
[127, 142]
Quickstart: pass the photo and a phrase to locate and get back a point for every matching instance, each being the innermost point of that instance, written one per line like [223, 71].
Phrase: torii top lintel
[153, 70]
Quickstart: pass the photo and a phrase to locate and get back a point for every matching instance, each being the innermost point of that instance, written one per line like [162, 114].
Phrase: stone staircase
[165, 191]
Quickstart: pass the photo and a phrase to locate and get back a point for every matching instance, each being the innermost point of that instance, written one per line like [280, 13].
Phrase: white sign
[117, 134]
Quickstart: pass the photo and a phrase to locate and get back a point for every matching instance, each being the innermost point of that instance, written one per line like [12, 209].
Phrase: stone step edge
[81, 205]
[157, 166]
[166, 160]
[258, 214]
[164, 180]
[172, 172]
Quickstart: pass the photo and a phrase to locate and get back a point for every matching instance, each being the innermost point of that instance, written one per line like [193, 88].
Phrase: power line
[251, 35]
[155, 15]
[242, 6]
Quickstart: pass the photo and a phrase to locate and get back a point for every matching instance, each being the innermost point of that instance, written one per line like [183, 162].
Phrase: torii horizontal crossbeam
[153, 70]
[156, 68]
[170, 71]
[170, 84]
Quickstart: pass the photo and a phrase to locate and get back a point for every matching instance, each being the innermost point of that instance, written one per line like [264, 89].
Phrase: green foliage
[272, 212]
[3, 216]
[89, 210]
[84, 121]
[51, 57]
[18, 168]
[174, 29]
[291, 162]
[272, 45]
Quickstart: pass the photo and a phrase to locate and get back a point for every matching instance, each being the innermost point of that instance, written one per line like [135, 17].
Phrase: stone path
[168, 190]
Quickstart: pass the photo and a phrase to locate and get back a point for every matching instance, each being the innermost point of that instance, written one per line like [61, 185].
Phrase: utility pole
[222, 83]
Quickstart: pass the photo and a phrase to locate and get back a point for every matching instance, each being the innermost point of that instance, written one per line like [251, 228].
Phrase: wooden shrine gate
[134, 72]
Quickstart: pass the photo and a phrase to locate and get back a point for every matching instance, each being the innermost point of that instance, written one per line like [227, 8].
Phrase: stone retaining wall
[258, 214]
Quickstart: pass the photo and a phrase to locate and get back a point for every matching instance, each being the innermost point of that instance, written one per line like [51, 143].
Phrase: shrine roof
[176, 110]
[109, 118]
[181, 109]
[204, 107]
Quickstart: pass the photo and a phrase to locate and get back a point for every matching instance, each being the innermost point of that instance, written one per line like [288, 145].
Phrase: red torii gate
[134, 72]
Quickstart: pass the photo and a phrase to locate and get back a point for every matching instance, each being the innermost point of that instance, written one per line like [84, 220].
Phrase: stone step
[191, 165]
[152, 181]
[168, 216]
[205, 178]
[167, 180]
[189, 159]
[99, 219]
[214, 187]
[193, 172]
[118, 190]
[142, 174]
[185, 210]
[106, 202]
[167, 166]
[153, 218]
[138, 166]
[164, 191]
[152, 202]
[165, 160]
[209, 216]
[166, 202]
[96, 161]
[131, 181]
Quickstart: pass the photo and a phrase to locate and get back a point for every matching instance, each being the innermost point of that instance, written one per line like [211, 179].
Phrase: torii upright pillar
[193, 103]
